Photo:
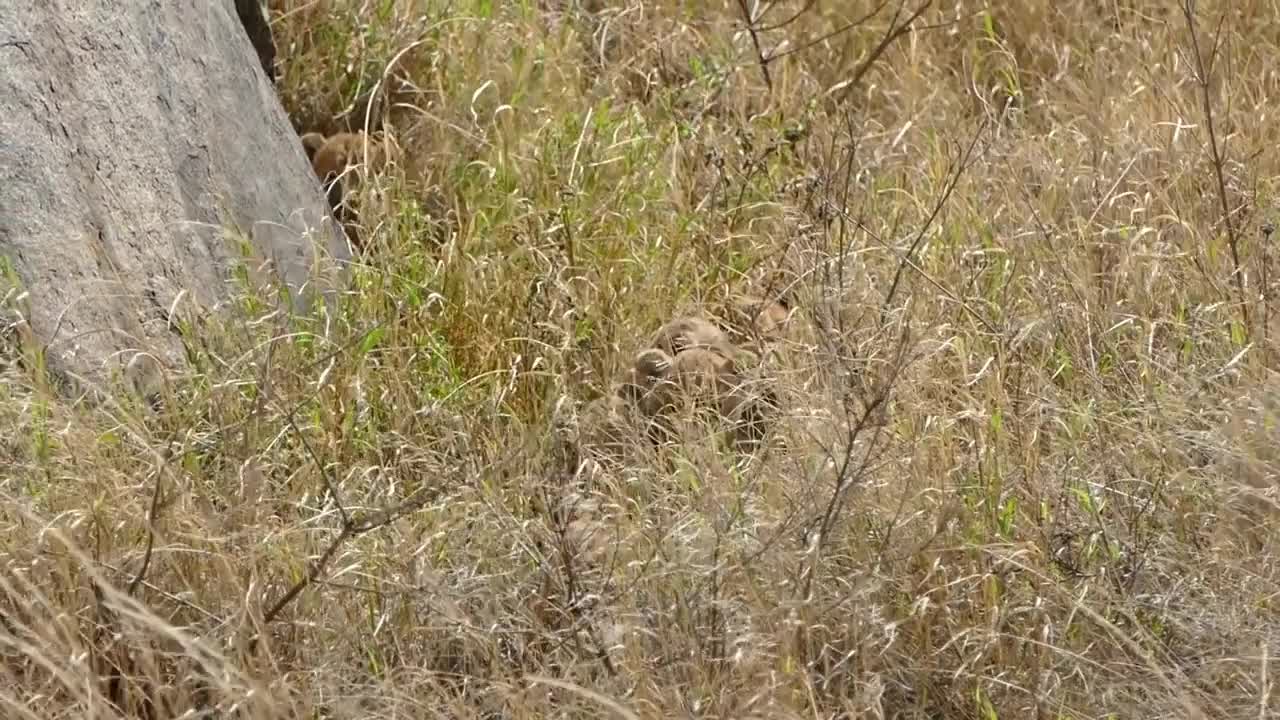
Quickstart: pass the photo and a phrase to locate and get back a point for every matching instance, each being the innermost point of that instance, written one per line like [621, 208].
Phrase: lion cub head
[338, 161]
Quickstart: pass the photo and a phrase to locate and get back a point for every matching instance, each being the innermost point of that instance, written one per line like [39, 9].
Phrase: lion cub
[689, 364]
[337, 161]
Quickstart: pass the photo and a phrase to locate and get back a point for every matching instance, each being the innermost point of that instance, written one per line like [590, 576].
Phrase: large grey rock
[131, 135]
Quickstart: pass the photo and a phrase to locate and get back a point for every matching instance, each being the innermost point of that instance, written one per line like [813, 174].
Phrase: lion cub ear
[312, 142]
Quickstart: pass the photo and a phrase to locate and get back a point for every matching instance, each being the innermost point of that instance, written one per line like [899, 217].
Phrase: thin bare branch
[838, 31]
[1204, 78]
[783, 23]
[962, 164]
[894, 32]
[750, 23]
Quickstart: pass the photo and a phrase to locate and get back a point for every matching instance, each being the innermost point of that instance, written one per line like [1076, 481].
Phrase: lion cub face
[337, 161]
[689, 366]
[692, 333]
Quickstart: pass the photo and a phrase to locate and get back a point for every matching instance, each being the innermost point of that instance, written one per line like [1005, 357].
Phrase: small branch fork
[1204, 68]
[753, 16]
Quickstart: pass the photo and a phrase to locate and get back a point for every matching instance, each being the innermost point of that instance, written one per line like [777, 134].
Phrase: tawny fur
[703, 376]
[312, 142]
[708, 382]
[766, 318]
[644, 383]
[335, 160]
[689, 368]
[606, 425]
[684, 333]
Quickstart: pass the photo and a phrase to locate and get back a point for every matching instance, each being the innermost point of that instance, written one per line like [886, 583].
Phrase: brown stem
[750, 22]
[1203, 79]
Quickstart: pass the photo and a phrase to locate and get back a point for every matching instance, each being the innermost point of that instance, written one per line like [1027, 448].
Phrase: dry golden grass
[1026, 466]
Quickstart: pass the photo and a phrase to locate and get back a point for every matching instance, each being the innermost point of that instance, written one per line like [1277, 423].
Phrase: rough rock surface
[131, 136]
